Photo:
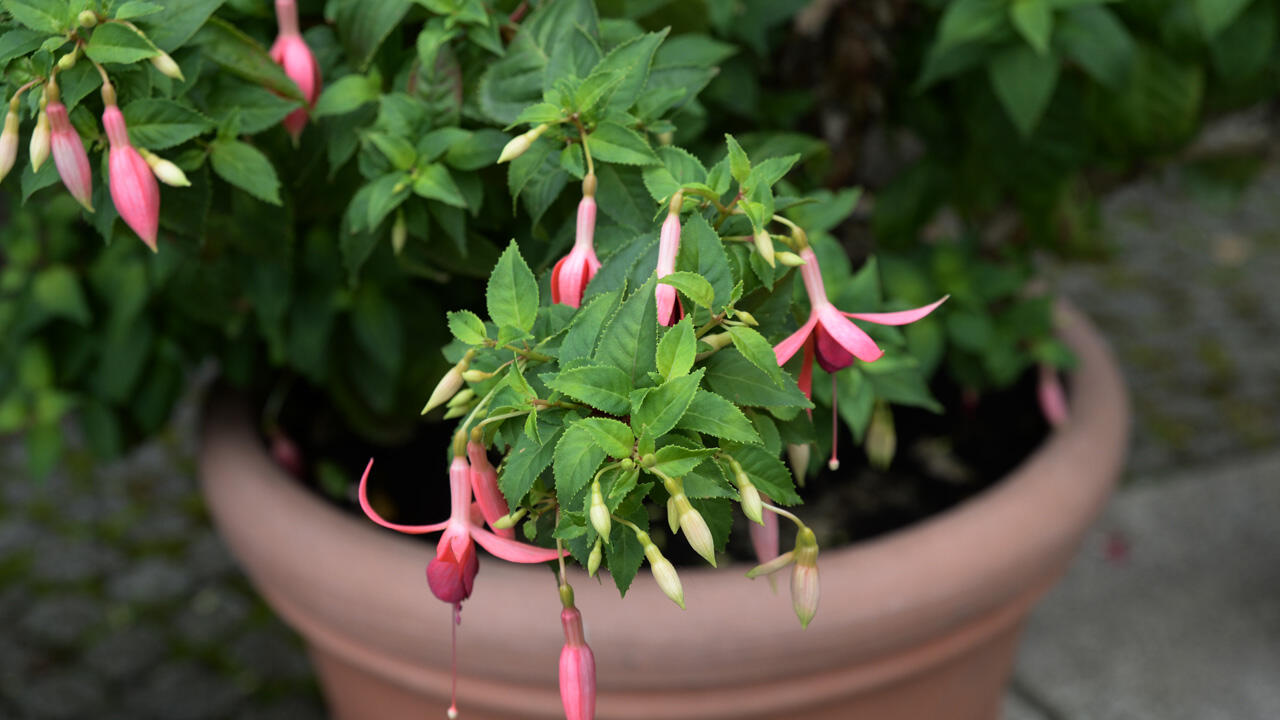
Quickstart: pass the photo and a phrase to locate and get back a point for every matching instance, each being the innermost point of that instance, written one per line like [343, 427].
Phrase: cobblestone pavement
[119, 602]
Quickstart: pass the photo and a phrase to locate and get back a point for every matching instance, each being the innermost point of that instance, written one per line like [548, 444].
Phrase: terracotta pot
[919, 625]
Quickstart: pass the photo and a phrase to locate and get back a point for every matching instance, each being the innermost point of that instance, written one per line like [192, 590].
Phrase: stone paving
[119, 602]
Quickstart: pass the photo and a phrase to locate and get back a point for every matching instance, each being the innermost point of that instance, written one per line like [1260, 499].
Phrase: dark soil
[942, 460]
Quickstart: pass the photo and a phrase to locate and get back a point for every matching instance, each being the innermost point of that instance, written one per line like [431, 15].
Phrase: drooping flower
[453, 570]
[291, 52]
[577, 669]
[804, 574]
[484, 481]
[571, 274]
[669, 309]
[133, 186]
[68, 151]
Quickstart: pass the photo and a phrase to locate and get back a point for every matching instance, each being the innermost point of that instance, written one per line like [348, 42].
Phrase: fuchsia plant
[293, 54]
[133, 186]
[570, 276]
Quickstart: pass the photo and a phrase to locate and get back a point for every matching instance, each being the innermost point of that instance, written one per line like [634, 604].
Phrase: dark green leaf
[629, 340]
[434, 182]
[576, 458]
[603, 387]
[347, 94]
[611, 142]
[18, 41]
[240, 55]
[480, 149]
[58, 292]
[116, 43]
[612, 436]
[731, 375]
[527, 459]
[702, 253]
[1096, 39]
[1034, 21]
[46, 16]
[580, 340]
[768, 474]
[712, 414]
[245, 167]
[156, 123]
[364, 24]
[631, 60]
[758, 352]
[663, 406]
[1023, 80]
[174, 25]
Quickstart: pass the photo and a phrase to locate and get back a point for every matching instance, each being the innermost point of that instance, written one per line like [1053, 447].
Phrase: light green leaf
[603, 387]
[467, 327]
[610, 435]
[174, 25]
[678, 461]
[1034, 21]
[677, 349]
[512, 293]
[739, 165]
[18, 41]
[116, 43]
[156, 123]
[57, 290]
[758, 352]
[1023, 80]
[245, 167]
[631, 61]
[663, 406]
[1096, 39]
[702, 253]
[629, 341]
[694, 286]
[347, 94]
[576, 458]
[611, 142]
[714, 415]
[731, 375]
[966, 21]
[135, 9]
[1216, 15]
[435, 183]
[47, 16]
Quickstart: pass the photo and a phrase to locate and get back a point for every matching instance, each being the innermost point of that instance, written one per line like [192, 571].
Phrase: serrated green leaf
[435, 183]
[117, 43]
[612, 436]
[1024, 81]
[18, 41]
[603, 387]
[708, 481]
[631, 60]
[677, 461]
[611, 142]
[758, 352]
[702, 253]
[135, 9]
[174, 25]
[770, 170]
[576, 458]
[512, 292]
[363, 25]
[46, 16]
[347, 95]
[739, 165]
[693, 286]
[527, 459]
[245, 167]
[157, 123]
[624, 553]
[731, 375]
[664, 405]
[714, 415]
[480, 149]
[768, 474]
[539, 113]
[241, 55]
[580, 340]
[597, 87]
[629, 341]
[677, 349]
[467, 327]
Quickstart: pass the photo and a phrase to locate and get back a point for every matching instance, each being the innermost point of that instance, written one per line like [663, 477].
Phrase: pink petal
[666, 304]
[785, 349]
[764, 538]
[484, 482]
[848, 335]
[901, 317]
[511, 550]
[369, 512]
[831, 355]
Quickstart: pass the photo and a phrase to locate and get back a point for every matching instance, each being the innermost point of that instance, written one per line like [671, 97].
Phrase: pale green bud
[599, 512]
[9, 143]
[746, 317]
[593, 560]
[764, 246]
[663, 571]
[520, 144]
[87, 18]
[804, 577]
[789, 259]
[167, 66]
[40, 138]
[165, 171]
[508, 521]
[798, 458]
[449, 385]
[882, 439]
[463, 397]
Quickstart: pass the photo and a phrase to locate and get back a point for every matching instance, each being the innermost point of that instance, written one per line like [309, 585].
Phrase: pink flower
[577, 669]
[1053, 399]
[669, 309]
[453, 571]
[290, 51]
[69, 154]
[571, 274]
[484, 481]
[837, 340]
[133, 186]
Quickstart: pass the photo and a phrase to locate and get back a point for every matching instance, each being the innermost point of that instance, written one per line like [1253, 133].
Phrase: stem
[727, 210]
[582, 133]
[500, 418]
[785, 514]
[528, 354]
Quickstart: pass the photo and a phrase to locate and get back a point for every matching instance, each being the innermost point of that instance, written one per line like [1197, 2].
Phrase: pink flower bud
[8, 143]
[577, 669]
[484, 482]
[291, 52]
[133, 186]
[69, 155]
[804, 577]
[669, 310]
[571, 274]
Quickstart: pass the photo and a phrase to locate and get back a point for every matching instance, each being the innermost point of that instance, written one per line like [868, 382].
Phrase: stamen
[834, 462]
[453, 660]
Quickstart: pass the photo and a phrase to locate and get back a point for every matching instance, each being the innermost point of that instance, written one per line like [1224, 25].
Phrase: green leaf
[255, 107]
[739, 165]
[611, 142]
[714, 415]
[768, 474]
[678, 461]
[1096, 39]
[758, 352]
[57, 290]
[580, 340]
[1024, 81]
[435, 183]
[156, 123]
[663, 406]
[240, 55]
[622, 197]
[598, 86]
[899, 380]
[348, 94]
[512, 293]
[1034, 21]
[47, 16]
[467, 327]
[731, 375]
[576, 458]
[629, 341]
[377, 329]
[631, 60]
[539, 113]
[18, 41]
[480, 149]
[116, 43]
[1216, 15]
[624, 553]
[363, 25]
[967, 21]
[527, 459]
[702, 253]
[677, 349]
[708, 481]
[245, 167]
[695, 287]
[857, 401]
[135, 9]
[174, 25]
[612, 436]
[603, 387]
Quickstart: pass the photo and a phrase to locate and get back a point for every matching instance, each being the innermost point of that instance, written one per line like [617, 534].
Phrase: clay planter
[917, 625]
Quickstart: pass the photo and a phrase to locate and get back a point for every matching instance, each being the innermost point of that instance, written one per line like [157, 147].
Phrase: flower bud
[520, 144]
[882, 440]
[690, 522]
[789, 259]
[39, 149]
[717, 341]
[746, 317]
[463, 397]
[599, 512]
[772, 566]
[133, 184]
[399, 235]
[673, 515]
[87, 18]
[449, 385]
[764, 246]
[798, 458]
[593, 560]
[804, 577]
[510, 519]
[663, 571]
[577, 669]
[752, 505]
[291, 52]
[165, 171]
[475, 375]
[69, 154]
[68, 61]
[8, 143]
[167, 67]
[455, 412]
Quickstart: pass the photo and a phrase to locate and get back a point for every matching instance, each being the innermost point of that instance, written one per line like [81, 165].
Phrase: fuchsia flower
[577, 669]
[571, 274]
[291, 52]
[484, 481]
[669, 308]
[68, 152]
[133, 186]
[454, 568]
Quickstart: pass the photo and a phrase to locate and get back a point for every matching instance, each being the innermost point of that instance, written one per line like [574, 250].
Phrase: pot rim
[915, 597]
